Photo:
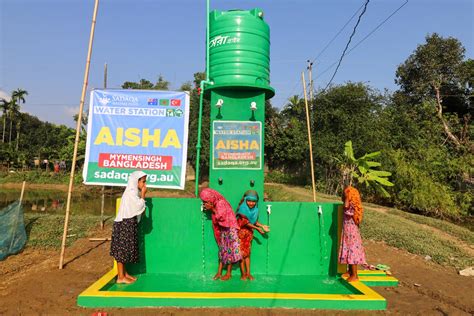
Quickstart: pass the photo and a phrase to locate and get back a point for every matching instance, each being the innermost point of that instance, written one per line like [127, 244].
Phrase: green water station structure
[295, 265]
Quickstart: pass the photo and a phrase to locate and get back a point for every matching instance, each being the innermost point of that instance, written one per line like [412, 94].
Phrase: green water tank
[239, 51]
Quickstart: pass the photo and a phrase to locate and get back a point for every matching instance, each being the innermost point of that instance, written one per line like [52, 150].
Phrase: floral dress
[245, 235]
[226, 233]
[351, 251]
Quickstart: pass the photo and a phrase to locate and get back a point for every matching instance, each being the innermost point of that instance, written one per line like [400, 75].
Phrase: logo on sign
[178, 112]
[164, 102]
[175, 102]
[104, 100]
[152, 101]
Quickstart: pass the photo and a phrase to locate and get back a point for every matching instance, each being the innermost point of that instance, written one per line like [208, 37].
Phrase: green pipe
[202, 86]
[207, 40]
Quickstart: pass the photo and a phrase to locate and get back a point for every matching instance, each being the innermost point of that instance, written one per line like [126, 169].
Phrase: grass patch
[46, 230]
[405, 234]
[285, 193]
[396, 228]
[459, 232]
[39, 176]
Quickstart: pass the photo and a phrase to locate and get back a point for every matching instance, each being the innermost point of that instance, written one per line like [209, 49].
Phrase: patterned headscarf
[352, 194]
[244, 209]
[210, 195]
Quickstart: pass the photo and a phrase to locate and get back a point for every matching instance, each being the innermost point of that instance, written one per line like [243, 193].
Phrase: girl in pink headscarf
[225, 228]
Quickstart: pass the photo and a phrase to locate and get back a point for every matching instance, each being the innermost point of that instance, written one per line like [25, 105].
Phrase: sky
[43, 43]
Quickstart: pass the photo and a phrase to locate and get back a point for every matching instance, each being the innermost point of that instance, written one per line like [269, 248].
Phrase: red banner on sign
[132, 161]
[237, 156]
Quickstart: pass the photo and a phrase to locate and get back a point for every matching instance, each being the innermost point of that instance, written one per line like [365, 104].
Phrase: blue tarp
[12, 230]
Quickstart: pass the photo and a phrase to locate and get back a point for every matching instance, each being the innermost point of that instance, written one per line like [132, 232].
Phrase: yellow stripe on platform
[374, 278]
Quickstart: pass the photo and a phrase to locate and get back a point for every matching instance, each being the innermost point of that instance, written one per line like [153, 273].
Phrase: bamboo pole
[78, 131]
[19, 207]
[103, 187]
[309, 137]
[22, 191]
[100, 239]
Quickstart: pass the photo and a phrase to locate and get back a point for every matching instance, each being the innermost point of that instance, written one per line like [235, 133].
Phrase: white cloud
[4, 95]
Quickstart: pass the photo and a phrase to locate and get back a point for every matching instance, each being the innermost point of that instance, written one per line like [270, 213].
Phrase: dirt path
[32, 284]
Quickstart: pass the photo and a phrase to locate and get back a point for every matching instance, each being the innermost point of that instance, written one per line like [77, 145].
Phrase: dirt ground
[32, 284]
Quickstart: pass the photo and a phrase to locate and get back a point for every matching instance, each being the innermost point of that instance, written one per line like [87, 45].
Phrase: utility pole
[105, 76]
[310, 71]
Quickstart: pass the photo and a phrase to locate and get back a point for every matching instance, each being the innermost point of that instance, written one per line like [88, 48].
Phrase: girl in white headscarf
[124, 247]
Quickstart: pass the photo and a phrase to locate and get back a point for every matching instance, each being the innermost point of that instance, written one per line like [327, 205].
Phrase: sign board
[237, 145]
[132, 130]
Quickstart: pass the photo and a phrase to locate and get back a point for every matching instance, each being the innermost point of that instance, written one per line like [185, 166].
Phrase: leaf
[384, 192]
[380, 173]
[362, 169]
[373, 163]
[348, 151]
[371, 155]
[383, 181]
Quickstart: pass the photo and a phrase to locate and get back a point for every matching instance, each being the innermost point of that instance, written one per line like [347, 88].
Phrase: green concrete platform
[295, 266]
[265, 291]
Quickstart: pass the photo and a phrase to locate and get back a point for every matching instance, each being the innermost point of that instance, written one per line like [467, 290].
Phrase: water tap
[269, 209]
[320, 210]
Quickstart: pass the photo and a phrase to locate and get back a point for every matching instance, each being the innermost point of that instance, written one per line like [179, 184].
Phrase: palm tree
[18, 125]
[17, 95]
[294, 100]
[5, 106]
[13, 108]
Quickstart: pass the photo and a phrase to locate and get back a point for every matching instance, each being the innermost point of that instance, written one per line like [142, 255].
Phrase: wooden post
[309, 137]
[19, 207]
[22, 191]
[78, 131]
[103, 187]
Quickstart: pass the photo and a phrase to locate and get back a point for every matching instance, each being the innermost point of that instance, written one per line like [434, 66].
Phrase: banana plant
[363, 170]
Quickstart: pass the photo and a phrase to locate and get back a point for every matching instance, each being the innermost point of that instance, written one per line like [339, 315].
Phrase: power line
[340, 31]
[365, 37]
[324, 49]
[348, 43]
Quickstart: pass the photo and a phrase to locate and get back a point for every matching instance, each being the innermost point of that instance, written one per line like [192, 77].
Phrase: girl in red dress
[247, 216]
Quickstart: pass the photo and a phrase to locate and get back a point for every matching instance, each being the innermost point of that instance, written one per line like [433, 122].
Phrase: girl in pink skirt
[351, 252]
[225, 228]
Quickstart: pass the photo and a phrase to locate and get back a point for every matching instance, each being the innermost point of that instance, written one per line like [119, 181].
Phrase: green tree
[5, 106]
[193, 128]
[18, 97]
[143, 84]
[161, 84]
[436, 72]
[187, 86]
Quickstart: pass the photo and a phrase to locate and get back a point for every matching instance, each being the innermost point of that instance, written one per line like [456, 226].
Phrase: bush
[286, 178]
[417, 190]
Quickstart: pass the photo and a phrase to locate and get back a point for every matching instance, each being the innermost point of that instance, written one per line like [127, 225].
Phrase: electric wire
[348, 43]
[365, 37]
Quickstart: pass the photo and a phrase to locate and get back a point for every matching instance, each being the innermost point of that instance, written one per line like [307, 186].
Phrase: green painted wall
[177, 238]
